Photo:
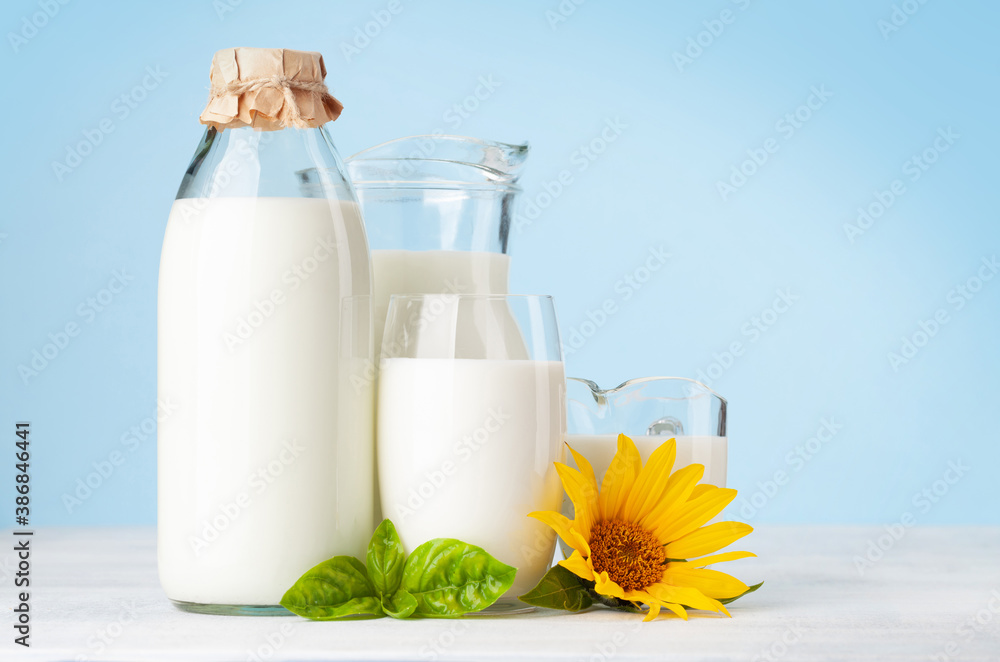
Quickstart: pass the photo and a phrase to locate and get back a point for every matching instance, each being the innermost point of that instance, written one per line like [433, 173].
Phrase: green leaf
[334, 589]
[751, 589]
[448, 577]
[385, 559]
[559, 589]
[400, 605]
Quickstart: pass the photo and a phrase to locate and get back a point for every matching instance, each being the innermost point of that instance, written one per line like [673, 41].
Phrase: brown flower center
[630, 554]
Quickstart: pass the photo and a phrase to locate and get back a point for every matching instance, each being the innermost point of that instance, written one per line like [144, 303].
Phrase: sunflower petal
[651, 482]
[677, 609]
[578, 543]
[687, 596]
[618, 479]
[711, 583]
[679, 487]
[707, 539]
[605, 586]
[700, 489]
[579, 566]
[693, 514]
[561, 524]
[638, 596]
[586, 469]
[583, 496]
[645, 598]
[718, 558]
[633, 455]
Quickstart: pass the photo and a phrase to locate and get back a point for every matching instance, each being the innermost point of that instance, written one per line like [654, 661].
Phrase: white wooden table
[934, 594]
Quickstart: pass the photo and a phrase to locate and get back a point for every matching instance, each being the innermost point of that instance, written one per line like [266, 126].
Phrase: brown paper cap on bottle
[268, 89]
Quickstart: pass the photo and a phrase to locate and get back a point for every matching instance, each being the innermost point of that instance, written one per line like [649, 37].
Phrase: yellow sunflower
[638, 536]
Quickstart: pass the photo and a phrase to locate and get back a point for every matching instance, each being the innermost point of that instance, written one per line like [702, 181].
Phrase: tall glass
[471, 417]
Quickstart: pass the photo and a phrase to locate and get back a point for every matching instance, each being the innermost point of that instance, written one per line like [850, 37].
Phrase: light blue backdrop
[693, 90]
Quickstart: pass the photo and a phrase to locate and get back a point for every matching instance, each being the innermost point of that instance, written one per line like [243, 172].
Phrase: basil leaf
[337, 588]
[400, 605]
[559, 589]
[385, 559]
[751, 589]
[449, 577]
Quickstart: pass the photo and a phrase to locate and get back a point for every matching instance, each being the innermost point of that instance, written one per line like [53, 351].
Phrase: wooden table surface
[831, 593]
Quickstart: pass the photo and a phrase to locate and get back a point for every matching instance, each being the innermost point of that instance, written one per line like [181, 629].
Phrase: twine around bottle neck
[291, 114]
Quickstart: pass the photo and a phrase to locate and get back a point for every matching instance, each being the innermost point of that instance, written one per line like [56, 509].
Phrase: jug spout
[651, 406]
[438, 161]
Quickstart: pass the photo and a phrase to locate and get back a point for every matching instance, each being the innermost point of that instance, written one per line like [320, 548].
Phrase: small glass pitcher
[649, 410]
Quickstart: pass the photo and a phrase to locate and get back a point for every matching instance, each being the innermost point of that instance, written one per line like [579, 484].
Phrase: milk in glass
[471, 420]
[465, 451]
[708, 450]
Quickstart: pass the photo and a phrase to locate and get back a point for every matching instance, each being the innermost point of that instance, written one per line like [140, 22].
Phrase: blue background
[556, 83]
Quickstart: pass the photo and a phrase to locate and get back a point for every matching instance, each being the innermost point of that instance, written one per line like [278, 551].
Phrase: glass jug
[437, 211]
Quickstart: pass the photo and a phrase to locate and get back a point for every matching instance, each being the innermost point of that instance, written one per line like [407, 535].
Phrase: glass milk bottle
[267, 466]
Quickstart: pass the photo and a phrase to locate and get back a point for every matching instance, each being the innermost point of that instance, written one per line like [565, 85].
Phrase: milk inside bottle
[264, 335]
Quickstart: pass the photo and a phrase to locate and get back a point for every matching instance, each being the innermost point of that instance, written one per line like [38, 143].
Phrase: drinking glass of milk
[471, 418]
[649, 410]
[264, 330]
